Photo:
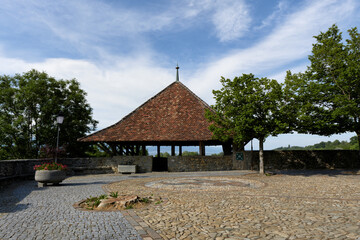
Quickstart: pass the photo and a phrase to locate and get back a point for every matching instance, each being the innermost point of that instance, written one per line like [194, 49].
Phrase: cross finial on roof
[177, 72]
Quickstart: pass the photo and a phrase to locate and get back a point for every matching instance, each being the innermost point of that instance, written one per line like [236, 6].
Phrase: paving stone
[283, 206]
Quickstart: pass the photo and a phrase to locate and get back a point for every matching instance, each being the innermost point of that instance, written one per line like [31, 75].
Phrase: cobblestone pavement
[291, 205]
[28, 212]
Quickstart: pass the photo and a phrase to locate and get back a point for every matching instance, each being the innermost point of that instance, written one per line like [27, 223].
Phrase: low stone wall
[18, 168]
[303, 159]
[107, 164]
[199, 163]
[247, 160]
[11, 170]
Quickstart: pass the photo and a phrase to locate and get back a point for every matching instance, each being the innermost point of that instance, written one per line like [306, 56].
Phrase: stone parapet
[303, 159]
[199, 163]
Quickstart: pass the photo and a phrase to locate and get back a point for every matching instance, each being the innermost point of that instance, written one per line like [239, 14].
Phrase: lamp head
[60, 118]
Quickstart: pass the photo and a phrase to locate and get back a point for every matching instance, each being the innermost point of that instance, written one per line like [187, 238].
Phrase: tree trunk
[261, 155]
[358, 163]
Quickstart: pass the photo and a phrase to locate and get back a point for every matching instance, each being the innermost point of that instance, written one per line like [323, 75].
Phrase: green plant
[91, 199]
[145, 200]
[114, 194]
[50, 166]
[104, 196]
[130, 206]
[158, 202]
[97, 202]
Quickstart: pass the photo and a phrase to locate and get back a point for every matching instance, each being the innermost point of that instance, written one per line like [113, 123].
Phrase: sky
[125, 52]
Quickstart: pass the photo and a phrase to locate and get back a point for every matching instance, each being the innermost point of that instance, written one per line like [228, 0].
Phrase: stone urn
[44, 177]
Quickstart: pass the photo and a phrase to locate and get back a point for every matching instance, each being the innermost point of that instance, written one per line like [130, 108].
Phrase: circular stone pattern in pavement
[207, 184]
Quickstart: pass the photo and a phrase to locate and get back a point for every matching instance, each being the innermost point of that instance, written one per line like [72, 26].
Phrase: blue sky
[124, 52]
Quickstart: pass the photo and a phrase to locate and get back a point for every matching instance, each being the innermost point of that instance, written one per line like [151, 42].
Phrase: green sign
[239, 156]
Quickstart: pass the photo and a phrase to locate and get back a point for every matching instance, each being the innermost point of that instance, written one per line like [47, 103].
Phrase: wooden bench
[127, 168]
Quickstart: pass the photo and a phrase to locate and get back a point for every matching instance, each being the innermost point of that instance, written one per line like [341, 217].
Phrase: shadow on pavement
[328, 172]
[11, 195]
[83, 183]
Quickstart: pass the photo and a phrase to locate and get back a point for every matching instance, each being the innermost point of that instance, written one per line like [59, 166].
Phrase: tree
[29, 104]
[328, 92]
[247, 108]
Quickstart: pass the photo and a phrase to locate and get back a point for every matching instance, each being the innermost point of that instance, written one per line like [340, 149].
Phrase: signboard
[239, 156]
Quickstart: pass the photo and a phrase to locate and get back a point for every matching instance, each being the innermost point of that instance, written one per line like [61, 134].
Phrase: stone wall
[199, 163]
[107, 164]
[303, 159]
[23, 169]
[18, 168]
[274, 160]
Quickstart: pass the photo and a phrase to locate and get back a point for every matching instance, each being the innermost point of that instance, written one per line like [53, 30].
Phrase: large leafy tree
[328, 93]
[29, 104]
[248, 107]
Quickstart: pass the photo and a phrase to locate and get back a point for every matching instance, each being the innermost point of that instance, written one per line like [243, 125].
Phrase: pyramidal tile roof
[175, 114]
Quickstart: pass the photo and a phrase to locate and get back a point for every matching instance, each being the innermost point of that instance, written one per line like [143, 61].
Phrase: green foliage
[246, 108]
[114, 194]
[96, 151]
[328, 93]
[218, 154]
[130, 206]
[103, 196]
[165, 155]
[145, 200]
[186, 153]
[343, 145]
[29, 104]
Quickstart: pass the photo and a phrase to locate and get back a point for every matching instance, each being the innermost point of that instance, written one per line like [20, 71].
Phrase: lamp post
[59, 120]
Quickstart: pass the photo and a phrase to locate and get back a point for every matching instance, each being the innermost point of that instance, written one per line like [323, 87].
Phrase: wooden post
[158, 150]
[121, 150]
[127, 153]
[202, 149]
[143, 147]
[180, 150]
[137, 150]
[172, 150]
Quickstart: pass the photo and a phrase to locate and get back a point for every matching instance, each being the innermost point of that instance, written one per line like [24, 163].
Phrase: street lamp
[59, 120]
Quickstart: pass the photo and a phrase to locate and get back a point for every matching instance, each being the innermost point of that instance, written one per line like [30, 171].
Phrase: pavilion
[174, 117]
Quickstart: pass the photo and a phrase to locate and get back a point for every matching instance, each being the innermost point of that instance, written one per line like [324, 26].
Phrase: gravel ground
[289, 205]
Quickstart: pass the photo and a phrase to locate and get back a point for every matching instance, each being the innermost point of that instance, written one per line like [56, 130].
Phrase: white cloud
[117, 84]
[281, 7]
[113, 92]
[289, 42]
[231, 20]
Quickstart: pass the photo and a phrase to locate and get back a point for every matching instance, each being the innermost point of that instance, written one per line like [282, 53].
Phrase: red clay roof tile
[174, 114]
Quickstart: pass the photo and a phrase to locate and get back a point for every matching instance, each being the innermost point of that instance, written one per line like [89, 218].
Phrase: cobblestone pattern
[28, 212]
[317, 205]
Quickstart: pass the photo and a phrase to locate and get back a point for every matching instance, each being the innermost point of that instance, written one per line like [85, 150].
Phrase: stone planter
[44, 177]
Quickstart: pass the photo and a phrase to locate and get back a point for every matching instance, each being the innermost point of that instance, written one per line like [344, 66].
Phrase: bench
[127, 168]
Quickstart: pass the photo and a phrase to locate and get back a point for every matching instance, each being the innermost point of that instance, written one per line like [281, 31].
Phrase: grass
[114, 194]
